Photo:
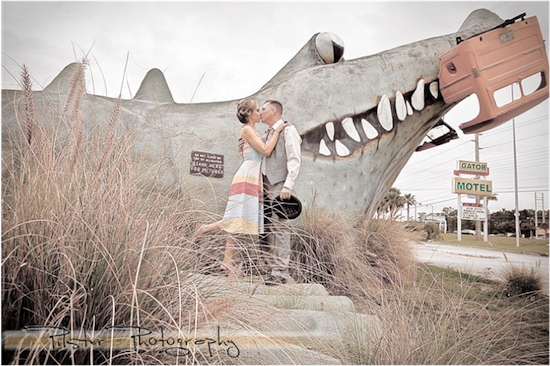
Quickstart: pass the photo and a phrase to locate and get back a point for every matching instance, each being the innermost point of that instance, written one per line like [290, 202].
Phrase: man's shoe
[275, 280]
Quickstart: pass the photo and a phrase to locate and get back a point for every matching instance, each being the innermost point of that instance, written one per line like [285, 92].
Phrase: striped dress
[244, 213]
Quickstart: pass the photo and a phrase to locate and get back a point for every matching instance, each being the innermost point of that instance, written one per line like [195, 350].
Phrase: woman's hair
[245, 108]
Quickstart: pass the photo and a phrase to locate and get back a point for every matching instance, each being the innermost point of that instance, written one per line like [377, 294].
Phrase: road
[478, 261]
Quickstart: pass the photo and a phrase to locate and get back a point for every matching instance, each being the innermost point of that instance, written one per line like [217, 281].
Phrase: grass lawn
[533, 246]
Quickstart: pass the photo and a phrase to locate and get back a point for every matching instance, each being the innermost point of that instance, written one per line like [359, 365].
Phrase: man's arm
[293, 143]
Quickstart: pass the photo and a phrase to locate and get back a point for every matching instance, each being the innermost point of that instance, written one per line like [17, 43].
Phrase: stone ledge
[322, 303]
[298, 289]
[312, 326]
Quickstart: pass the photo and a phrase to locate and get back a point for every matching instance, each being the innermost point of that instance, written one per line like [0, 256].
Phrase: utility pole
[536, 217]
[478, 223]
[541, 199]
[518, 231]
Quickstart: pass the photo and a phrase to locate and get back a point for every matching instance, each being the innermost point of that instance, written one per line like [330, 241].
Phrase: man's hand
[285, 193]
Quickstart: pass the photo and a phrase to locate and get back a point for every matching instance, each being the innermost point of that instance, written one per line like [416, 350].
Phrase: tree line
[499, 222]
[502, 222]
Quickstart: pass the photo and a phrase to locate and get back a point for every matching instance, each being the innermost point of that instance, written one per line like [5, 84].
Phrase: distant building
[542, 233]
[441, 221]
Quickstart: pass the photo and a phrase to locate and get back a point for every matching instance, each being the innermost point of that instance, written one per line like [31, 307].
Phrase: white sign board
[473, 213]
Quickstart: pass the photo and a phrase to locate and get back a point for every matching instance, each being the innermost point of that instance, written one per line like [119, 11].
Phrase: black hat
[287, 209]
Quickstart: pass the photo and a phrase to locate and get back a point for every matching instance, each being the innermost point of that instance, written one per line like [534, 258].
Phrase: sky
[228, 50]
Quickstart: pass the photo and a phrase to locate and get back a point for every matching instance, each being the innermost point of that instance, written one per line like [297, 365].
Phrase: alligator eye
[330, 47]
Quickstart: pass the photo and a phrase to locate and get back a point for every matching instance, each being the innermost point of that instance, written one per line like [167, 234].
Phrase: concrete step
[264, 349]
[311, 327]
[254, 285]
[322, 303]
[290, 323]
[298, 289]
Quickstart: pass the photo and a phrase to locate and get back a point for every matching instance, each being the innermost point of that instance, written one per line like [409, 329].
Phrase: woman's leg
[227, 263]
[206, 228]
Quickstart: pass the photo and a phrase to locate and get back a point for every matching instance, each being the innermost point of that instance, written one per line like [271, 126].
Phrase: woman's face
[255, 115]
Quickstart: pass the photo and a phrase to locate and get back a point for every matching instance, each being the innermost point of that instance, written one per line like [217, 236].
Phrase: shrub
[521, 281]
[432, 231]
[350, 255]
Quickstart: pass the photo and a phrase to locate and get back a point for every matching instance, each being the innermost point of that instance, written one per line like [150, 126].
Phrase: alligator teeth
[409, 109]
[323, 149]
[330, 130]
[344, 137]
[384, 113]
[341, 149]
[400, 106]
[350, 129]
[417, 98]
[369, 130]
[434, 89]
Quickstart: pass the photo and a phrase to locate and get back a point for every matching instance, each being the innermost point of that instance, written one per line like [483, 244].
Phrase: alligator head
[360, 119]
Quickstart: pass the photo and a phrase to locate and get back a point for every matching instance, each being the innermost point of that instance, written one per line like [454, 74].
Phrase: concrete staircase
[285, 324]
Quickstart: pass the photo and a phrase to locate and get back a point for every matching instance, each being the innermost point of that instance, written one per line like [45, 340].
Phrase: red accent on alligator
[492, 64]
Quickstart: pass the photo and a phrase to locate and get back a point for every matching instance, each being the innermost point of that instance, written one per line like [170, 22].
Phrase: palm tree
[410, 200]
[492, 197]
[392, 202]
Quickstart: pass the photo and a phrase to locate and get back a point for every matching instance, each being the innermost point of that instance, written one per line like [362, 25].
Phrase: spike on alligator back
[62, 82]
[154, 88]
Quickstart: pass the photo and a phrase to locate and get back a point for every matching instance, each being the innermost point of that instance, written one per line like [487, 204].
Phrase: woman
[244, 211]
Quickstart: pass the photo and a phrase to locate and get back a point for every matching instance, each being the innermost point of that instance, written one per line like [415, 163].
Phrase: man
[280, 171]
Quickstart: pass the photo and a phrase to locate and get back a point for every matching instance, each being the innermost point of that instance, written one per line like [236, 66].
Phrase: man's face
[267, 114]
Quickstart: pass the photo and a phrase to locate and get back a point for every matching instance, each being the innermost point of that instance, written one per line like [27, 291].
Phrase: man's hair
[277, 105]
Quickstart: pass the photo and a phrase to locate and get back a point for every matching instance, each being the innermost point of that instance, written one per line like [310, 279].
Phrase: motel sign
[472, 186]
[473, 211]
[472, 167]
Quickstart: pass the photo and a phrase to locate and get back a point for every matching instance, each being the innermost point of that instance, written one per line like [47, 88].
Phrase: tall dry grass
[452, 318]
[350, 256]
[428, 316]
[89, 240]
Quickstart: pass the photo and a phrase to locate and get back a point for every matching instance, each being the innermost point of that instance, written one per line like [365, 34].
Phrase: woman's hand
[282, 127]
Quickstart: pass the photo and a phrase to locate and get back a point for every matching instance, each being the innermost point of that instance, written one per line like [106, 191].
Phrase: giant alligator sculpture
[360, 119]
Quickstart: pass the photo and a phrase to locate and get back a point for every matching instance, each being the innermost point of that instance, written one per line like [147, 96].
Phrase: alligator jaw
[346, 136]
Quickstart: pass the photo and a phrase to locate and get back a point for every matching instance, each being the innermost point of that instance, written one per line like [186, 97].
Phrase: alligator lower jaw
[343, 137]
